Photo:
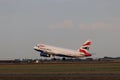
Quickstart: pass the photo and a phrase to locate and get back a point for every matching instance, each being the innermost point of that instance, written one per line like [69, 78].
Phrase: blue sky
[63, 23]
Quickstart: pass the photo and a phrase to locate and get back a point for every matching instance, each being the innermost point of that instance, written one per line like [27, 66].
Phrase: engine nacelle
[44, 54]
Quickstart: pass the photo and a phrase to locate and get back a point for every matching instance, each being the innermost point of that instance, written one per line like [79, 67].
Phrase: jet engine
[44, 54]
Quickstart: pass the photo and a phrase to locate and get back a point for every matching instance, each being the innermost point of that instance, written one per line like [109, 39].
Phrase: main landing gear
[63, 58]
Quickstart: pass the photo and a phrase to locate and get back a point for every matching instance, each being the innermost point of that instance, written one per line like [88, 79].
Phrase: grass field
[60, 68]
[61, 71]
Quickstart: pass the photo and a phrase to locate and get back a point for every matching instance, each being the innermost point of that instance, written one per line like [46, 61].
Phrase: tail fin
[85, 48]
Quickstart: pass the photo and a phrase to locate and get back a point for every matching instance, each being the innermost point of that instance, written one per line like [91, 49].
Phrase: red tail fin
[85, 48]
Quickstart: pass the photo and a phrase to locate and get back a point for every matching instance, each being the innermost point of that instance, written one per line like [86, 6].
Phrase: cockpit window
[41, 45]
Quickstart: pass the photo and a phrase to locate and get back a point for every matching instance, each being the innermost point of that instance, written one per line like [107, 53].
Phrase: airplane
[48, 51]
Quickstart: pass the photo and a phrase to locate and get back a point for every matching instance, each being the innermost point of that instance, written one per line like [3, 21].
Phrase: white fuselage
[55, 51]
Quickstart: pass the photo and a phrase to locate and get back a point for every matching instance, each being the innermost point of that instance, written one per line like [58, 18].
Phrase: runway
[77, 76]
[62, 75]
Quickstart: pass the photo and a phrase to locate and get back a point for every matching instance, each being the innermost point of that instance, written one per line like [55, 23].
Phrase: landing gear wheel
[54, 59]
[63, 59]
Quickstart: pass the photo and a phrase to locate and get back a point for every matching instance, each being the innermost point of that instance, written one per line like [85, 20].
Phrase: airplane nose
[35, 47]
